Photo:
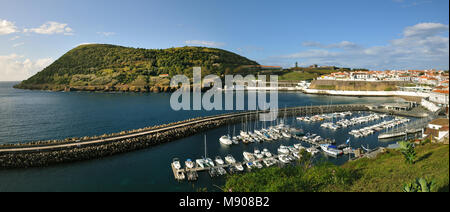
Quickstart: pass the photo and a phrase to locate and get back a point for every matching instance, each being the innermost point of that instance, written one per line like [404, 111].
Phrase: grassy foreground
[387, 173]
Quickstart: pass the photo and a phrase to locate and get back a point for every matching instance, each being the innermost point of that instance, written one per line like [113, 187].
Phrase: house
[440, 96]
[437, 129]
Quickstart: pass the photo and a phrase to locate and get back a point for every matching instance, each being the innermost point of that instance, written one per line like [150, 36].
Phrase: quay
[72, 150]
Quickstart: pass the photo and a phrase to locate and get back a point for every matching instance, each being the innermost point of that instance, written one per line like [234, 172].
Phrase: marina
[147, 169]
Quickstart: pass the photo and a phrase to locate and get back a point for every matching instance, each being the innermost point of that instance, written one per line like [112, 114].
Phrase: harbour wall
[69, 150]
[366, 93]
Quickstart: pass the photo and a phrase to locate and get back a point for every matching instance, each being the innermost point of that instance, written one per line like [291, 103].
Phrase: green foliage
[128, 64]
[320, 177]
[420, 185]
[408, 151]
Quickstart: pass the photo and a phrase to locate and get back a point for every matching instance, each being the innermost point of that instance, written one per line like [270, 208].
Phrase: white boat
[299, 146]
[249, 165]
[286, 135]
[239, 167]
[283, 150]
[209, 162]
[283, 159]
[258, 164]
[226, 140]
[219, 160]
[235, 140]
[327, 148]
[244, 134]
[267, 153]
[297, 155]
[176, 163]
[313, 151]
[258, 154]
[269, 162]
[189, 164]
[248, 156]
[200, 163]
[230, 159]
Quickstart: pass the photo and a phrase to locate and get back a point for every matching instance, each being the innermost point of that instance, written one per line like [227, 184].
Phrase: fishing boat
[219, 160]
[226, 140]
[189, 164]
[176, 163]
[230, 159]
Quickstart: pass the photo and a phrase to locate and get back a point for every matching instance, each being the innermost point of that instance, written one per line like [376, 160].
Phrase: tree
[408, 151]
[296, 64]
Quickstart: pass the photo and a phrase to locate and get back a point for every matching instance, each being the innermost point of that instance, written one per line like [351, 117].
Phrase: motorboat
[258, 164]
[313, 151]
[283, 159]
[266, 153]
[189, 164]
[219, 161]
[332, 150]
[176, 163]
[200, 163]
[209, 162]
[297, 155]
[249, 165]
[286, 135]
[258, 154]
[226, 140]
[248, 156]
[239, 167]
[283, 150]
[230, 159]
[299, 146]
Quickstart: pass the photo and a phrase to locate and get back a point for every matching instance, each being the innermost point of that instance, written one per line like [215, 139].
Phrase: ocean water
[40, 115]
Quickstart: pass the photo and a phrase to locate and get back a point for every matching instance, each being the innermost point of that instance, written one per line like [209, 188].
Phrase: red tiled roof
[441, 91]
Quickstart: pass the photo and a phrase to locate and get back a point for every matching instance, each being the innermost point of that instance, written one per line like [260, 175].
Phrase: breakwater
[46, 153]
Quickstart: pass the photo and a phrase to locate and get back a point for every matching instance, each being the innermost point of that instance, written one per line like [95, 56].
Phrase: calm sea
[39, 115]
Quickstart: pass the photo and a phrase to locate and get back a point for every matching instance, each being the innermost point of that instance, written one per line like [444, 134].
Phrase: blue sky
[375, 34]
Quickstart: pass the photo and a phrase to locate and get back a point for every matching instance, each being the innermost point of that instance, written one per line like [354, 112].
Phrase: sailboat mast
[205, 147]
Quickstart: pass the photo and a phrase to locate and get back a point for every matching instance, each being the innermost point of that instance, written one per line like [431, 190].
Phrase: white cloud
[425, 29]
[340, 45]
[16, 68]
[106, 34]
[51, 28]
[204, 43]
[18, 44]
[7, 27]
[422, 46]
[14, 38]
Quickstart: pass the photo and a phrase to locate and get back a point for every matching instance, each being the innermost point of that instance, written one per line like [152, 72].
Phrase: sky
[373, 34]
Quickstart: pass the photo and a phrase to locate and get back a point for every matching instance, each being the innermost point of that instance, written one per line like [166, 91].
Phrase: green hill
[386, 173]
[117, 68]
